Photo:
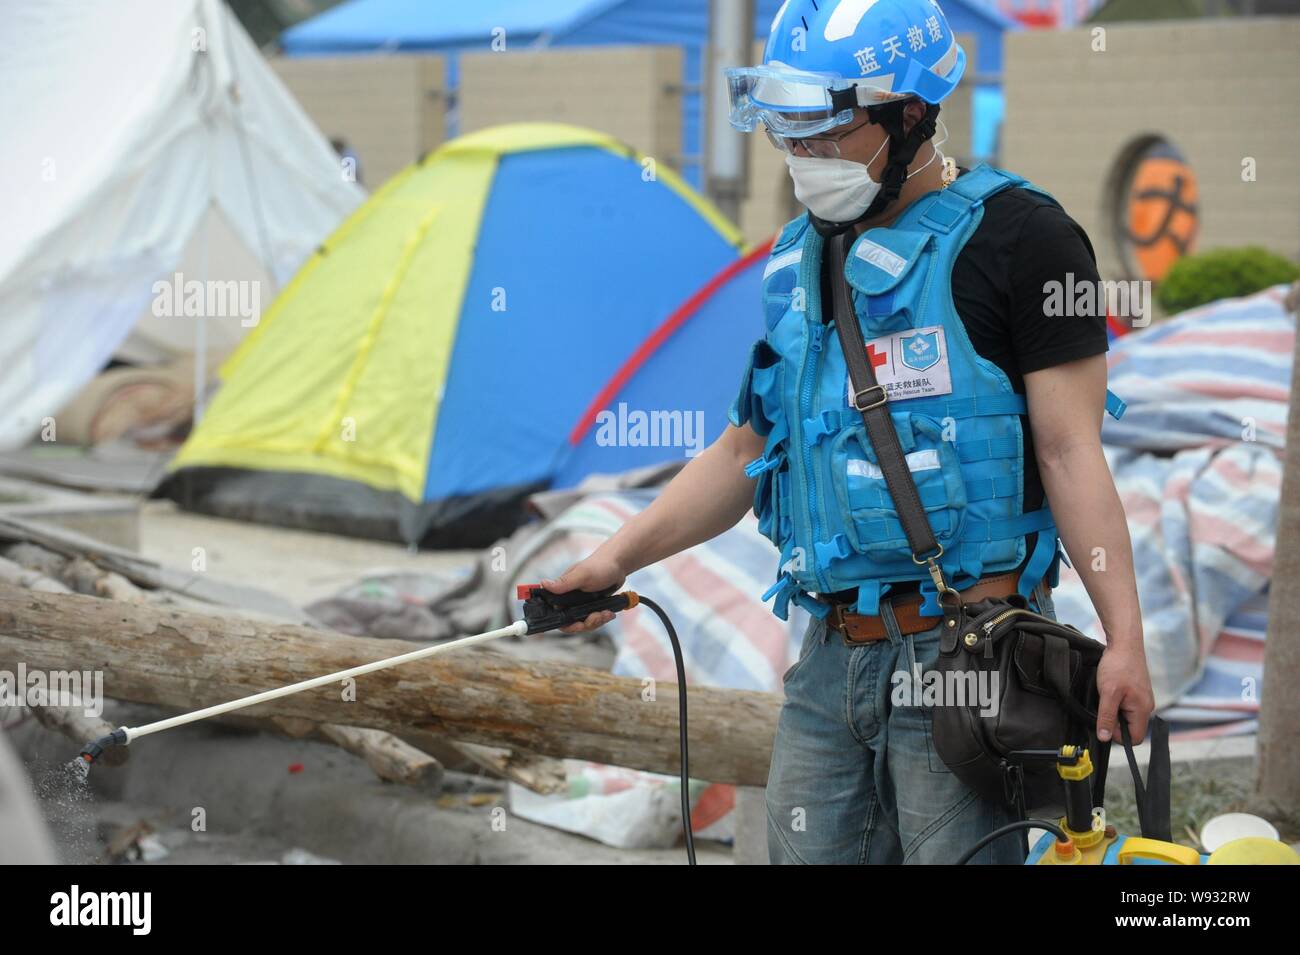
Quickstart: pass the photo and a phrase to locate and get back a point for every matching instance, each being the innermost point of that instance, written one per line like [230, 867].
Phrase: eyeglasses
[819, 147]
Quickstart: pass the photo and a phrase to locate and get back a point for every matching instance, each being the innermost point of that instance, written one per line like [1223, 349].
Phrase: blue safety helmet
[826, 57]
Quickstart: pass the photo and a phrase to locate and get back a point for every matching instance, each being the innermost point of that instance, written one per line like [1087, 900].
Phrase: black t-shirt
[1023, 242]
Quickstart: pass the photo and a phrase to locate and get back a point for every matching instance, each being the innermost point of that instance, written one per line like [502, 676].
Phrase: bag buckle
[936, 574]
[857, 398]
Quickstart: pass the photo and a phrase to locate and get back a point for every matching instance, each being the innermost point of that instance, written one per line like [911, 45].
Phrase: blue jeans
[855, 779]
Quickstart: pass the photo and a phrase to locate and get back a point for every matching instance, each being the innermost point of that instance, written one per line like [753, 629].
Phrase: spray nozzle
[544, 610]
[95, 749]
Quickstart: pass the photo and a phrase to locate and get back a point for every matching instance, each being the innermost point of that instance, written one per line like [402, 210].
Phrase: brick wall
[389, 107]
[1217, 90]
[633, 93]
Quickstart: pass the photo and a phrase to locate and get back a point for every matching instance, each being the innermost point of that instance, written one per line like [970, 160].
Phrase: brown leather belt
[860, 628]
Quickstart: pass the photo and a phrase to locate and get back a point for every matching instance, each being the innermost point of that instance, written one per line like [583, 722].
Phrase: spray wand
[543, 611]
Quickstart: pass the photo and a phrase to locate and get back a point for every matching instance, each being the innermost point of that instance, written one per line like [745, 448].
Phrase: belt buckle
[836, 621]
[843, 628]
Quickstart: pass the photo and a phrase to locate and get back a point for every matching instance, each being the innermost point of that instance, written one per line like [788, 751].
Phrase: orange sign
[1162, 217]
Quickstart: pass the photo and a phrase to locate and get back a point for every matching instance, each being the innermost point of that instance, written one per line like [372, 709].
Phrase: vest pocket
[772, 495]
[871, 520]
[767, 378]
[759, 400]
[778, 290]
[883, 314]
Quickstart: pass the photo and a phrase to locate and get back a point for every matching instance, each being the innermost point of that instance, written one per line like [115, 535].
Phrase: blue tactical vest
[820, 495]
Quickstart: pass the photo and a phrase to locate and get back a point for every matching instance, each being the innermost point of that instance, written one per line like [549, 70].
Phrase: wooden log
[86, 577]
[20, 576]
[68, 716]
[147, 573]
[152, 654]
[388, 756]
[541, 774]
[35, 557]
[393, 760]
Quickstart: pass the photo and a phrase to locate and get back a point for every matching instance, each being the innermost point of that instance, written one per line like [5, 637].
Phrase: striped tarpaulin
[1225, 700]
[729, 638]
[1197, 462]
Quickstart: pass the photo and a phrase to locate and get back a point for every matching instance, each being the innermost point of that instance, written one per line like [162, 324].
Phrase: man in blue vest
[997, 401]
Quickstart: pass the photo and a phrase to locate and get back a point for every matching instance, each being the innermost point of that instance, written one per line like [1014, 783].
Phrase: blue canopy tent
[410, 25]
[377, 25]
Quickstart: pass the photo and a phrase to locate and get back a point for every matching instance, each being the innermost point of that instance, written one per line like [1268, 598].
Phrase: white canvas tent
[142, 138]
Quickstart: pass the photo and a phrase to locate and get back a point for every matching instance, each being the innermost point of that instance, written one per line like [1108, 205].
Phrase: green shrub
[1222, 273]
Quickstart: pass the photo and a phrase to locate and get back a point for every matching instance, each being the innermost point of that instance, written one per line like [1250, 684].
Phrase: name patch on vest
[910, 364]
[880, 257]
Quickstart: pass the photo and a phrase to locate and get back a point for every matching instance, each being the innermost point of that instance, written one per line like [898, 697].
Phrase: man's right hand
[707, 497]
[595, 573]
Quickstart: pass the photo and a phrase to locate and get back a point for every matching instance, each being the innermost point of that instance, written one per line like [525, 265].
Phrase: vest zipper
[816, 332]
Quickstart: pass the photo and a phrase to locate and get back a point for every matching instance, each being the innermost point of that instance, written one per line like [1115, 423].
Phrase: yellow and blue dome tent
[424, 370]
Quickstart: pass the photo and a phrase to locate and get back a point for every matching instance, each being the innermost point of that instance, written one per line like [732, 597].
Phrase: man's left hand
[1124, 686]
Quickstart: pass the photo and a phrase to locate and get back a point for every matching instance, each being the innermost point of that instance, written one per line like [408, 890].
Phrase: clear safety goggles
[819, 147]
[788, 102]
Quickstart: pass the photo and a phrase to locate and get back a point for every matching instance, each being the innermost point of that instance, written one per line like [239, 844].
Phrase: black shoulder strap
[871, 400]
[1152, 797]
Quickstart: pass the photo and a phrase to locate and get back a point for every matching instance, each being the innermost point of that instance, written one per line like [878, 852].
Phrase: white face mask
[840, 190]
[837, 190]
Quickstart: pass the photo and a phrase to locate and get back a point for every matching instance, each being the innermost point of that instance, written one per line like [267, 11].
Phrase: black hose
[1011, 827]
[681, 722]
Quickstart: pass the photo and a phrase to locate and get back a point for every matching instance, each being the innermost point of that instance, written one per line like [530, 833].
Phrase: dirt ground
[273, 799]
[303, 567]
[300, 566]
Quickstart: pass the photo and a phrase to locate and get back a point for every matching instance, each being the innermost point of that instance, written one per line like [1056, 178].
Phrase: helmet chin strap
[902, 150]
